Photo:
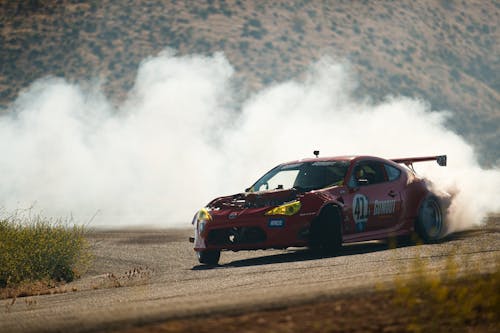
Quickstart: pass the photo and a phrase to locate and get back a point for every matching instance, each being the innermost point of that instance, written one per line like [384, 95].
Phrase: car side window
[392, 172]
[367, 173]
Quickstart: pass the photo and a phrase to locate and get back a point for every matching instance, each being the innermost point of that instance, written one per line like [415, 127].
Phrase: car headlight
[204, 215]
[202, 218]
[288, 209]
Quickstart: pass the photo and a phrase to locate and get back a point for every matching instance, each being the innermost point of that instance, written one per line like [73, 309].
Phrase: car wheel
[325, 233]
[430, 222]
[209, 257]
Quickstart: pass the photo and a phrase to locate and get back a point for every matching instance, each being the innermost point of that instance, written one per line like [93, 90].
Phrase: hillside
[446, 52]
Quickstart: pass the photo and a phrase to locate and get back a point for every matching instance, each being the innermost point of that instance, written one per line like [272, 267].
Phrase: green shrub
[36, 248]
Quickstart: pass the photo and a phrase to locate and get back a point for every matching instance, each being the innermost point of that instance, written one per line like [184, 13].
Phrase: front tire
[208, 257]
[430, 224]
[326, 232]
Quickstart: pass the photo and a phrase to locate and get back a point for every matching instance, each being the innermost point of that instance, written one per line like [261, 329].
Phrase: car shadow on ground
[304, 254]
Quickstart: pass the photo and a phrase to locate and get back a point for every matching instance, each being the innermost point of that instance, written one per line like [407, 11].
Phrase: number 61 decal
[360, 211]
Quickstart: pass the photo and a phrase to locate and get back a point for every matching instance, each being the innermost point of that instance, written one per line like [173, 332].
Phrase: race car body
[322, 203]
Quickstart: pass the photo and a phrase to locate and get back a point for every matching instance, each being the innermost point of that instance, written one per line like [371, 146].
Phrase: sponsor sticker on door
[276, 223]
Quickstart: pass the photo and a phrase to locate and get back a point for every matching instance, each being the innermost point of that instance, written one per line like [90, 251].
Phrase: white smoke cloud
[179, 140]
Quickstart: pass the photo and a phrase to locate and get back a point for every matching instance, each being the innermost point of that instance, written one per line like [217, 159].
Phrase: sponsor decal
[276, 223]
[360, 211]
[384, 207]
[233, 215]
[308, 214]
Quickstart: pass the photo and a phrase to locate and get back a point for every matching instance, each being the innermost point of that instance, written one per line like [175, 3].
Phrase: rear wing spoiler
[441, 160]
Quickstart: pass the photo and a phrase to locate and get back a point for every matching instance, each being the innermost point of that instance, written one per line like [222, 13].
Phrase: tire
[209, 257]
[430, 224]
[326, 233]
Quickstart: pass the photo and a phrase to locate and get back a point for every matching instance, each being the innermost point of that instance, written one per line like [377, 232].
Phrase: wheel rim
[432, 219]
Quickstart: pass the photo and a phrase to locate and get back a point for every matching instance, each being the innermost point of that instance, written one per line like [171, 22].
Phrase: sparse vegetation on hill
[443, 51]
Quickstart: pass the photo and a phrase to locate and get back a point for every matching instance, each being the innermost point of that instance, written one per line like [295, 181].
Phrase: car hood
[254, 199]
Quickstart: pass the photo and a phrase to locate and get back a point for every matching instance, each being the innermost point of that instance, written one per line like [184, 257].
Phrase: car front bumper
[252, 232]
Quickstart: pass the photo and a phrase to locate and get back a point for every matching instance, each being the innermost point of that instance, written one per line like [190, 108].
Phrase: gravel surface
[147, 276]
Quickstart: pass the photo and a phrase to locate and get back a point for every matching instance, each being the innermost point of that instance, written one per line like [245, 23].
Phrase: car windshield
[304, 176]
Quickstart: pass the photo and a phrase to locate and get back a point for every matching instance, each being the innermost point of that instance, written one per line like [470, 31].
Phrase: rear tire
[430, 224]
[326, 233]
[208, 257]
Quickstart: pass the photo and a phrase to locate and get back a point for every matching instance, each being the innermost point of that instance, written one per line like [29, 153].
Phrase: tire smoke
[181, 139]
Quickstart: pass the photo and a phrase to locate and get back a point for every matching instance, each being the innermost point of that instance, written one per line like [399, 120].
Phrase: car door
[373, 202]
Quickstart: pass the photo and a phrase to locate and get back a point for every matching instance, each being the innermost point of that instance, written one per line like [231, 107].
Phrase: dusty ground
[368, 312]
[144, 280]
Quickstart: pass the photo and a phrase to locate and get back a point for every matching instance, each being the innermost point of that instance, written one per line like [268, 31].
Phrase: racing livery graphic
[321, 203]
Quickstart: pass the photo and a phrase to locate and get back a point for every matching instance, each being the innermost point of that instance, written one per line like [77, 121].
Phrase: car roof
[337, 158]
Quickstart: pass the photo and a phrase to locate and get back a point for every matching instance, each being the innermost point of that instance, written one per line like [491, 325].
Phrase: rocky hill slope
[446, 52]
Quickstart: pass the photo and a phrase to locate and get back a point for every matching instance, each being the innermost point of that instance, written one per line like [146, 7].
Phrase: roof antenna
[316, 153]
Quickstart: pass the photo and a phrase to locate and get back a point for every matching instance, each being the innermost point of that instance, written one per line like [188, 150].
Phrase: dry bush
[34, 248]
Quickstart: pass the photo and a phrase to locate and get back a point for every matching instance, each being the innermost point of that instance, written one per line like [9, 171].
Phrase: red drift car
[322, 203]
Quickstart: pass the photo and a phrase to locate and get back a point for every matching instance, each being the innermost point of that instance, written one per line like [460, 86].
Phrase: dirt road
[150, 276]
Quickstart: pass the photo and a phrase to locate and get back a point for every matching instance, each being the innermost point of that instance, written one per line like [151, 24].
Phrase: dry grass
[450, 299]
[28, 289]
[36, 252]
[133, 277]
